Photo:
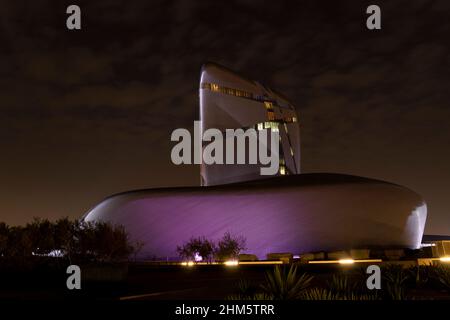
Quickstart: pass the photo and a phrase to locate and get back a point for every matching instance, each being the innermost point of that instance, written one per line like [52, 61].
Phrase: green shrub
[340, 284]
[256, 296]
[229, 247]
[420, 276]
[326, 294]
[283, 284]
[442, 274]
[75, 241]
[395, 280]
[200, 246]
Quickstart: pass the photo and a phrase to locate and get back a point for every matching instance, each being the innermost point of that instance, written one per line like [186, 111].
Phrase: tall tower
[229, 101]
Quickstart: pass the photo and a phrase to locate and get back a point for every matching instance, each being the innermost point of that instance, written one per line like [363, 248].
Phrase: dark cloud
[89, 113]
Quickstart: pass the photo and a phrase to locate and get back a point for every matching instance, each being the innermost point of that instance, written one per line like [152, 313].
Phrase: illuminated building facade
[290, 212]
[229, 101]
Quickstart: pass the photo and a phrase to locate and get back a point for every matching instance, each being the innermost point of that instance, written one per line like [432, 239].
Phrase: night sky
[89, 113]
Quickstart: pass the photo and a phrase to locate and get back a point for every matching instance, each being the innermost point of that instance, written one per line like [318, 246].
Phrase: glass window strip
[240, 93]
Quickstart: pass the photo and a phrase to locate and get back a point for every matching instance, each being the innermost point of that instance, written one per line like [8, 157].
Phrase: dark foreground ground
[149, 282]
[142, 283]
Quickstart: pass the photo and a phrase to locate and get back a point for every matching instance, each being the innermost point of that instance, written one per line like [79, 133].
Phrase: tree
[197, 246]
[78, 241]
[64, 230]
[41, 235]
[4, 234]
[101, 242]
[229, 247]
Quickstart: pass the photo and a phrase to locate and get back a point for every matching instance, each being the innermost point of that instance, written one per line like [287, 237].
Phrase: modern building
[290, 212]
[229, 101]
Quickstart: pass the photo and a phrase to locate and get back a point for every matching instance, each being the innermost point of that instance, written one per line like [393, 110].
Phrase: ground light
[346, 261]
[231, 263]
[445, 259]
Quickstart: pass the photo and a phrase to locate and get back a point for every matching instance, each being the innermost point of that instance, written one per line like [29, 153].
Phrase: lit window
[214, 87]
[271, 125]
[260, 126]
[282, 170]
[271, 115]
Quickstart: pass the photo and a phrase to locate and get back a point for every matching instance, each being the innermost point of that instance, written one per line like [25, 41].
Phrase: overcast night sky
[89, 113]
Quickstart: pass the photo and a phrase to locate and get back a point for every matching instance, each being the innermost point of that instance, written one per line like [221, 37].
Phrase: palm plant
[442, 275]
[327, 294]
[282, 284]
[395, 278]
[256, 296]
[245, 287]
[318, 294]
[340, 284]
[420, 275]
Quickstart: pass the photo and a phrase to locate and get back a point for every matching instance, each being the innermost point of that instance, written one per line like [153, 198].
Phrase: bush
[282, 284]
[229, 247]
[340, 285]
[256, 296]
[246, 290]
[75, 241]
[4, 232]
[326, 294]
[441, 274]
[395, 280]
[196, 246]
[101, 242]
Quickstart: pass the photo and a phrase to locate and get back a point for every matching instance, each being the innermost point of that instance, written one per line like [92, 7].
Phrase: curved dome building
[297, 214]
[290, 212]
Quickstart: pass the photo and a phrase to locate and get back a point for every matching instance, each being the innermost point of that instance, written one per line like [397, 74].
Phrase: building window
[271, 125]
[245, 94]
[268, 105]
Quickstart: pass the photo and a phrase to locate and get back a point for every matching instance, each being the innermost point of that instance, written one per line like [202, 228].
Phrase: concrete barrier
[336, 255]
[247, 257]
[285, 257]
[359, 254]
